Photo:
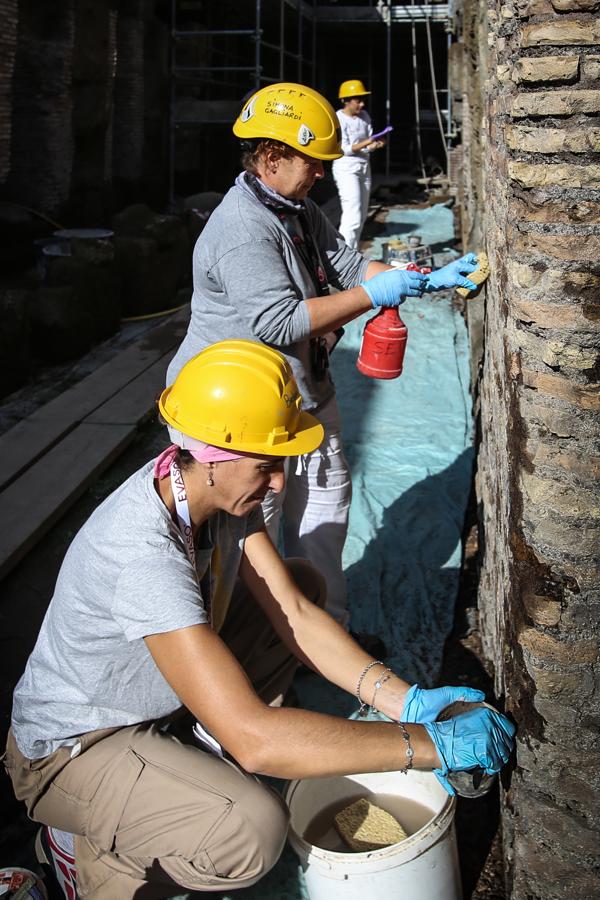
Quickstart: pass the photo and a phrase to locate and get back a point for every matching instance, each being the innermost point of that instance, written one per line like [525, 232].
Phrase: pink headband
[203, 453]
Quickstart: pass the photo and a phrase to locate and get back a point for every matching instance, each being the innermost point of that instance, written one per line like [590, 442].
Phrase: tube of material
[380, 134]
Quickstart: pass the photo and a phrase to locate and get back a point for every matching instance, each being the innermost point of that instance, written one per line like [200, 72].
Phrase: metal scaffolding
[277, 42]
[254, 61]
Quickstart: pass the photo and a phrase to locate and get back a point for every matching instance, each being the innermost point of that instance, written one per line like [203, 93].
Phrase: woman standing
[352, 172]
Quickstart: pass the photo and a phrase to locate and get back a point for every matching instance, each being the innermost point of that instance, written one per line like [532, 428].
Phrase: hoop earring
[210, 480]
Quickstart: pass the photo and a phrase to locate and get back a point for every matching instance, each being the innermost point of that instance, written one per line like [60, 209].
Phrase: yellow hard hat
[241, 395]
[352, 88]
[295, 115]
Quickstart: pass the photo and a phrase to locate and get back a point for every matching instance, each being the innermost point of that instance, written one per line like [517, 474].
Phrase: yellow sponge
[364, 826]
[478, 276]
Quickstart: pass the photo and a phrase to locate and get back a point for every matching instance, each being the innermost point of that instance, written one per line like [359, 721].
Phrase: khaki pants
[151, 814]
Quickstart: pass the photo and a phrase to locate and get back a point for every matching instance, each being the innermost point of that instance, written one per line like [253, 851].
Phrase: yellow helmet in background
[295, 115]
[352, 88]
[241, 395]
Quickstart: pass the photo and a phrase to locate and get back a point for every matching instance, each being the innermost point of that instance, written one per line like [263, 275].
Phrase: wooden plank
[136, 401]
[31, 505]
[25, 443]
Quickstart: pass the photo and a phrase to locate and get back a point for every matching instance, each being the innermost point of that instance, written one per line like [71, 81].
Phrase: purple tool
[380, 134]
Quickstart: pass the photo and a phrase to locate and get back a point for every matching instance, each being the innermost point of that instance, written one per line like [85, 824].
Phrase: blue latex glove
[481, 738]
[425, 706]
[391, 288]
[451, 276]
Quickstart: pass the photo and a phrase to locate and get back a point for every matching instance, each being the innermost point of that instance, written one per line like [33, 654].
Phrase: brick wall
[8, 47]
[84, 106]
[41, 140]
[157, 83]
[128, 122]
[539, 461]
[92, 91]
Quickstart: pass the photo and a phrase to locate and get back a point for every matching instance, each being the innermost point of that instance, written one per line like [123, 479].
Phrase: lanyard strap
[184, 522]
[183, 511]
[309, 253]
[308, 250]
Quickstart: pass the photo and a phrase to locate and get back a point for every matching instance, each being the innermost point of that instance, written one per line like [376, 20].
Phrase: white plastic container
[422, 867]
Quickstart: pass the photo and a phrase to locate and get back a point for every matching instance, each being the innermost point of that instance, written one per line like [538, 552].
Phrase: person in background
[263, 269]
[172, 602]
[352, 171]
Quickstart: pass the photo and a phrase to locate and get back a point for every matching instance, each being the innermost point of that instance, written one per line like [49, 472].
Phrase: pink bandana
[203, 453]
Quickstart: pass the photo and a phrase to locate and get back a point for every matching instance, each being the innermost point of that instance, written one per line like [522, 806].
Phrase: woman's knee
[249, 840]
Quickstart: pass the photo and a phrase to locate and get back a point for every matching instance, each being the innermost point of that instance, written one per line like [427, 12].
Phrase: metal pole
[449, 91]
[281, 36]
[300, 42]
[416, 95]
[388, 80]
[172, 111]
[434, 89]
[257, 48]
[370, 51]
[314, 48]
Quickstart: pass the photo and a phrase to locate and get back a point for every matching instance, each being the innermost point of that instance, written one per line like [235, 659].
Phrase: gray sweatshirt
[250, 282]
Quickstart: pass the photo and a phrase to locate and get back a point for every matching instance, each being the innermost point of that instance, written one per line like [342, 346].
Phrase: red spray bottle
[384, 341]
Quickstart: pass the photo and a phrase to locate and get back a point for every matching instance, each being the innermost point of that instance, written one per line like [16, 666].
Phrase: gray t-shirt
[250, 282]
[126, 575]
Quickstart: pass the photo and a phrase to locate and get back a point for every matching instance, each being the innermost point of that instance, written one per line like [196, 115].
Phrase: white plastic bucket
[422, 867]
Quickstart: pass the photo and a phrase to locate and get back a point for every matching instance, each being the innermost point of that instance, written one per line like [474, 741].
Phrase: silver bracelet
[362, 705]
[409, 750]
[385, 676]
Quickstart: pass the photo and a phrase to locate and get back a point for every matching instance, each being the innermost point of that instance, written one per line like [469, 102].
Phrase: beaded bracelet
[362, 705]
[409, 750]
[385, 676]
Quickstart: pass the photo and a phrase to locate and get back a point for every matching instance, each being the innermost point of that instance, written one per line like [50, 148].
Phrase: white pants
[354, 188]
[315, 505]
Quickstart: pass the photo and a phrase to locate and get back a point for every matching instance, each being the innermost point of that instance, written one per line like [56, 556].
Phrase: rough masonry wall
[539, 462]
[41, 140]
[84, 106]
[8, 49]
[467, 80]
[128, 128]
[92, 89]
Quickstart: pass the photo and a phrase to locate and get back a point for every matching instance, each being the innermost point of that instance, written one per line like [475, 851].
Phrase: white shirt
[354, 130]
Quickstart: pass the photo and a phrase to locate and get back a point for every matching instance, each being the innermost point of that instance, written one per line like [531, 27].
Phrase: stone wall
[8, 47]
[92, 89]
[41, 140]
[84, 106]
[539, 462]
[128, 132]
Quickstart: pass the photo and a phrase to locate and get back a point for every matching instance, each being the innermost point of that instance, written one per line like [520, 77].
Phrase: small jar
[472, 782]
